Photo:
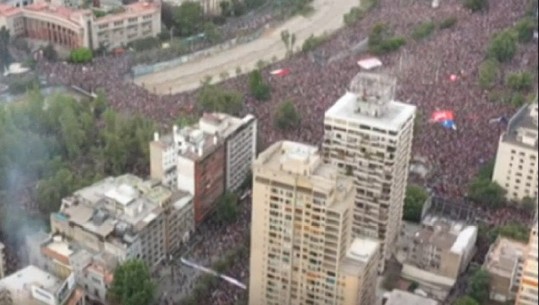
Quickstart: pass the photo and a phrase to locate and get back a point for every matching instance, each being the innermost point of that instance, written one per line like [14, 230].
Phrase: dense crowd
[423, 71]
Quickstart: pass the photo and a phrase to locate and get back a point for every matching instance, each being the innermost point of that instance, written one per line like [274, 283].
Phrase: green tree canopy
[489, 72]
[382, 41]
[516, 231]
[189, 18]
[466, 300]
[132, 284]
[81, 55]
[286, 116]
[476, 5]
[212, 98]
[479, 288]
[5, 56]
[413, 203]
[484, 190]
[525, 28]
[503, 46]
[227, 208]
[258, 87]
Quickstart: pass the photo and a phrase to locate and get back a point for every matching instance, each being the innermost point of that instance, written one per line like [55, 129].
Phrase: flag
[280, 72]
[441, 116]
[449, 124]
[453, 77]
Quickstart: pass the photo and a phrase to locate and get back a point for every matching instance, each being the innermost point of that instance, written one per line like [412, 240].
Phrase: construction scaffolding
[374, 92]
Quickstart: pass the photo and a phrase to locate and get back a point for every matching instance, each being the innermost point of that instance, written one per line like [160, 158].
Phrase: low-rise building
[401, 297]
[205, 159]
[33, 286]
[73, 28]
[504, 264]
[113, 215]
[516, 164]
[439, 252]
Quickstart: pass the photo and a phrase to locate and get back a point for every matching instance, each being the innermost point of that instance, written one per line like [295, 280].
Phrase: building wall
[181, 222]
[152, 242]
[379, 160]
[185, 174]
[209, 182]
[241, 151]
[516, 170]
[528, 292]
[2, 261]
[157, 166]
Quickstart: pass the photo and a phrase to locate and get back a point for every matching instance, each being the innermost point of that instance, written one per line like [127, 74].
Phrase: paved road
[327, 17]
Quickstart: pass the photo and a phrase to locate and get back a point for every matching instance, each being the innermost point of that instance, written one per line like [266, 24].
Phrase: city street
[327, 17]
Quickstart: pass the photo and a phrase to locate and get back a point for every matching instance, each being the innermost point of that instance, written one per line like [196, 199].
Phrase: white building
[33, 286]
[368, 135]
[400, 297]
[516, 161]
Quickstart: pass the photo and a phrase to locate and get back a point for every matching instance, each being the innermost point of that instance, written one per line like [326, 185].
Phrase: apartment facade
[368, 136]
[112, 215]
[504, 264]
[301, 246]
[528, 293]
[205, 159]
[516, 160]
[73, 28]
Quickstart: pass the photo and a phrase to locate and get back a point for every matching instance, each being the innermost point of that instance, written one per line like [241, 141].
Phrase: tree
[524, 29]
[503, 46]
[413, 203]
[212, 32]
[529, 204]
[487, 192]
[312, 42]
[227, 208]
[5, 56]
[479, 288]
[212, 98]
[381, 41]
[189, 18]
[516, 231]
[489, 72]
[466, 300]
[423, 30]
[258, 87]
[286, 116]
[167, 14]
[81, 55]
[132, 284]
[448, 23]
[49, 52]
[519, 81]
[476, 5]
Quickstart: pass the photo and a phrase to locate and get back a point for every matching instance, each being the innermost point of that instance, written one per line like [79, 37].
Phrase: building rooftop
[446, 234]
[58, 249]
[370, 101]
[359, 254]
[302, 160]
[503, 256]
[196, 141]
[400, 297]
[114, 208]
[20, 284]
[130, 10]
[522, 128]
[71, 15]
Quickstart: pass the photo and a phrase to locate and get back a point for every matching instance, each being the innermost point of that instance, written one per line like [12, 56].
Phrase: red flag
[442, 115]
[280, 72]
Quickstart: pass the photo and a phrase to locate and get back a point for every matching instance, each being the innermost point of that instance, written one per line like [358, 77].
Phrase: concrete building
[368, 135]
[528, 293]
[301, 246]
[438, 253]
[400, 297]
[516, 161]
[504, 264]
[112, 215]
[73, 28]
[2, 261]
[17, 3]
[205, 159]
[33, 286]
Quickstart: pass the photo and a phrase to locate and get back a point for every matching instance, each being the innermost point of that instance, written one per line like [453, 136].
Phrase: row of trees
[57, 144]
[478, 291]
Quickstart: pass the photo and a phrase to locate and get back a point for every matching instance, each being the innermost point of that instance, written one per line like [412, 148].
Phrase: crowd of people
[423, 70]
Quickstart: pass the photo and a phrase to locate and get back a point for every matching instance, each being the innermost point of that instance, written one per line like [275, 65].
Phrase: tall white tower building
[368, 136]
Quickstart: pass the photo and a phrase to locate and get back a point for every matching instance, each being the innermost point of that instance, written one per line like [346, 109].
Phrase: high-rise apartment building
[301, 246]
[528, 293]
[516, 161]
[205, 159]
[368, 136]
